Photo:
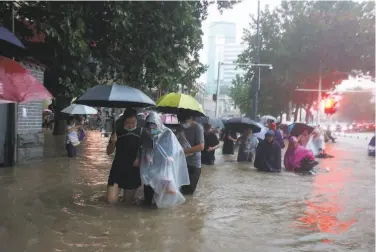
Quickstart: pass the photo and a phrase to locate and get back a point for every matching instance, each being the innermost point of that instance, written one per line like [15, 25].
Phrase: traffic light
[215, 97]
[330, 106]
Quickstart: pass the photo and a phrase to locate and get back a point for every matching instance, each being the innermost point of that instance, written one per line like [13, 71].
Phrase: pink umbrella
[18, 85]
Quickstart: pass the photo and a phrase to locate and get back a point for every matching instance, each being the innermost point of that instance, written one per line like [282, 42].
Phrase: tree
[239, 93]
[306, 39]
[136, 43]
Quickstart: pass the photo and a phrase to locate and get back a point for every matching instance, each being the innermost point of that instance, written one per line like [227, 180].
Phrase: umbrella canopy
[265, 118]
[115, 96]
[261, 134]
[239, 124]
[77, 109]
[296, 129]
[175, 103]
[10, 45]
[215, 122]
[18, 85]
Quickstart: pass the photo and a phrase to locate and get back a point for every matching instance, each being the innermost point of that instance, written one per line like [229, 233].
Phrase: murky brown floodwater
[57, 205]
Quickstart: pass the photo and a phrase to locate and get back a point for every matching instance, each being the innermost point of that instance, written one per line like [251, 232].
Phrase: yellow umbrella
[175, 102]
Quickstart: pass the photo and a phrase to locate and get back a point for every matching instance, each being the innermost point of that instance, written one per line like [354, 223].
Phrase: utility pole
[319, 97]
[257, 89]
[218, 86]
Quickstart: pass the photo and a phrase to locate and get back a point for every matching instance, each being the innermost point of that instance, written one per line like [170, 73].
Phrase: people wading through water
[124, 173]
[229, 139]
[268, 154]
[211, 144]
[195, 136]
[247, 146]
[163, 166]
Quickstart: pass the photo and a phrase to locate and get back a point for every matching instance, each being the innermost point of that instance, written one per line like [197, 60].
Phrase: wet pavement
[58, 205]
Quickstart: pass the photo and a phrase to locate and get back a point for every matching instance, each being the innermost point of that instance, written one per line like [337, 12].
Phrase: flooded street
[58, 205]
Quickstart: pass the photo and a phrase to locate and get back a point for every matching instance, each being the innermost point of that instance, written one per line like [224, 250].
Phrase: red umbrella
[18, 85]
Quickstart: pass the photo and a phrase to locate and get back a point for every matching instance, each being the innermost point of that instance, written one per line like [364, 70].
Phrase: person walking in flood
[247, 146]
[163, 166]
[268, 154]
[211, 144]
[229, 139]
[125, 172]
[195, 136]
[277, 135]
[72, 140]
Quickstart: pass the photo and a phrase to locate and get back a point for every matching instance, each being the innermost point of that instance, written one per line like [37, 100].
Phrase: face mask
[154, 131]
[131, 129]
[186, 125]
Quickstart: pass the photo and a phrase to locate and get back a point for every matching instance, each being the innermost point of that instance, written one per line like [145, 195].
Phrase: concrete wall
[30, 137]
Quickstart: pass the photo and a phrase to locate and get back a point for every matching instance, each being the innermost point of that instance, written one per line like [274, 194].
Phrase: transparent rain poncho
[316, 142]
[163, 164]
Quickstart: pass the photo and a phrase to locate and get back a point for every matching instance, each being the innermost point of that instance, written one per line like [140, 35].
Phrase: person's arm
[70, 128]
[111, 146]
[199, 140]
[215, 143]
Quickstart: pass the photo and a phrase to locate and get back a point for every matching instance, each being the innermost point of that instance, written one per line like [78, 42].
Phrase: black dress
[122, 171]
[211, 140]
[228, 145]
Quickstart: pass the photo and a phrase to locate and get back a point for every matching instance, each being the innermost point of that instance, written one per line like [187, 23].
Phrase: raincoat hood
[163, 164]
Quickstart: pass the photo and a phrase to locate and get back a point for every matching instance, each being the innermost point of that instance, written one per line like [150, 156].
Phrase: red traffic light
[330, 106]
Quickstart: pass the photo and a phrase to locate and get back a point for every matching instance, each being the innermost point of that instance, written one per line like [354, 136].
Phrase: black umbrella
[296, 129]
[115, 96]
[239, 124]
[215, 122]
[10, 45]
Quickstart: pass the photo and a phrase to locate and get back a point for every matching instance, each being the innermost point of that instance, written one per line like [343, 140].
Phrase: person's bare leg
[113, 194]
[129, 196]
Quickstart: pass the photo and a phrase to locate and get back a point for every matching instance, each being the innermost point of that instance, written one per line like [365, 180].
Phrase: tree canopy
[306, 39]
[142, 44]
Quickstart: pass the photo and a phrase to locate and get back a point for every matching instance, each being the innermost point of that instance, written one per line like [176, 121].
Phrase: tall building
[220, 34]
[229, 69]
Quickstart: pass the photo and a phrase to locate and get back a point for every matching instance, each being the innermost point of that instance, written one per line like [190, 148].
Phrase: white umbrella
[77, 109]
[265, 118]
[261, 134]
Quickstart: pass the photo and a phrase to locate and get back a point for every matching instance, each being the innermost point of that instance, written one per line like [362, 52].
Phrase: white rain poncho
[163, 164]
[316, 142]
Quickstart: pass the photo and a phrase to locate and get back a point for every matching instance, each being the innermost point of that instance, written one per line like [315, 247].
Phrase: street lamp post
[270, 66]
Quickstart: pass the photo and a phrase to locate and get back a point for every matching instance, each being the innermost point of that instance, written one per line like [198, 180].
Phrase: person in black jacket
[211, 144]
[268, 154]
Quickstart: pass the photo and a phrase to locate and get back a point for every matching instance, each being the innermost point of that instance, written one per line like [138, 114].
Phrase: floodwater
[58, 205]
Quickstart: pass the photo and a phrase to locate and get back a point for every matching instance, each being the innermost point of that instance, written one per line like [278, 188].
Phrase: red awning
[18, 85]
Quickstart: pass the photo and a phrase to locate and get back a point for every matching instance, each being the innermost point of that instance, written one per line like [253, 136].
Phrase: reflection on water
[58, 205]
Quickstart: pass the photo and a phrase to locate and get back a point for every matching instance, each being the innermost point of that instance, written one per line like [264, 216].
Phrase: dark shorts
[72, 150]
[194, 176]
[126, 178]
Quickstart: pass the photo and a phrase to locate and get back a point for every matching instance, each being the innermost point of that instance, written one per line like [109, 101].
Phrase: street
[58, 205]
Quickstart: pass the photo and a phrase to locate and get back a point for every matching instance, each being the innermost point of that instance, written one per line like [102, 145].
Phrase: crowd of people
[168, 163]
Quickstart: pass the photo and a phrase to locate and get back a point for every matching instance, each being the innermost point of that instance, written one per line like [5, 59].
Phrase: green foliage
[239, 93]
[136, 43]
[304, 38]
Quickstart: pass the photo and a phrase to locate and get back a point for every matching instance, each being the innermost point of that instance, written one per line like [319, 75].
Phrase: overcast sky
[240, 15]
